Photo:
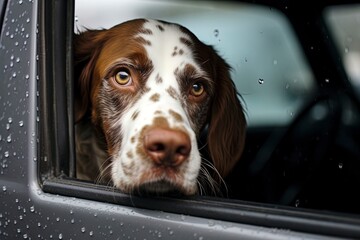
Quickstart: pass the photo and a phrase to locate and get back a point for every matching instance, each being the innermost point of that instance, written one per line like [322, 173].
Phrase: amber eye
[123, 77]
[197, 89]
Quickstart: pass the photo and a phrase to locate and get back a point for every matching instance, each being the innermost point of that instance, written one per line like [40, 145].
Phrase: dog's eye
[197, 89]
[123, 77]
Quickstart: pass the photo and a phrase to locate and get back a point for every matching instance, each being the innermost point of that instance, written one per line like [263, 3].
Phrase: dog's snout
[167, 147]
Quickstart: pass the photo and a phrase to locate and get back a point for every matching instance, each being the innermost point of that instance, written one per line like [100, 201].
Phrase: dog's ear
[87, 46]
[226, 133]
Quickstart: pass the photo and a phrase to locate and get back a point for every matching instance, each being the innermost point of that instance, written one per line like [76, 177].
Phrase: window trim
[57, 165]
[56, 61]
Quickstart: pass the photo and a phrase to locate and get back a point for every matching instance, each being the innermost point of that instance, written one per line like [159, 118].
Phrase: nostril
[157, 147]
[183, 150]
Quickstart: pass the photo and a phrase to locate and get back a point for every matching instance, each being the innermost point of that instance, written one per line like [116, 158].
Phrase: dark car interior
[314, 161]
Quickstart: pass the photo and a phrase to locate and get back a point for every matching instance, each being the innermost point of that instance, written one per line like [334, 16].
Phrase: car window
[268, 68]
[344, 21]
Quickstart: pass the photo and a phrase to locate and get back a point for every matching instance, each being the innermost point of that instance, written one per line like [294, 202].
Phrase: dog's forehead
[168, 46]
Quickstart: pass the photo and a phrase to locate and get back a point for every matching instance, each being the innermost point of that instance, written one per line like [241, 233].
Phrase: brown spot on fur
[155, 97]
[158, 112]
[158, 79]
[172, 93]
[181, 52]
[146, 31]
[160, 27]
[143, 41]
[129, 154]
[132, 139]
[176, 116]
[161, 122]
[140, 145]
[186, 41]
[135, 115]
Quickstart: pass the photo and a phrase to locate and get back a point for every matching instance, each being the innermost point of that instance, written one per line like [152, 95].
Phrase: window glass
[268, 67]
[344, 22]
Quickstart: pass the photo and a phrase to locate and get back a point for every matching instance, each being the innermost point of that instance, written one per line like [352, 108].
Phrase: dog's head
[151, 87]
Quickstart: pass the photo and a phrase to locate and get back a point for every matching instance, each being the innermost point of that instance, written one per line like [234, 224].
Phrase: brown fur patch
[186, 41]
[158, 79]
[135, 115]
[176, 116]
[160, 27]
[161, 122]
[172, 93]
[155, 97]
[129, 154]
[146, 31]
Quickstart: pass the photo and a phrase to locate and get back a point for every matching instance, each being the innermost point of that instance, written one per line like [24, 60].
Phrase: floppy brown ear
[226, 134]
[87, 46]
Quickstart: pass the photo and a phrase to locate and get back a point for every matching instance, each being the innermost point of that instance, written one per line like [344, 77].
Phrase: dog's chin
[161, 188]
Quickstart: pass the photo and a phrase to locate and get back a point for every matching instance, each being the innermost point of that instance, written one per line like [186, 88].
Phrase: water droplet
[20, 2]
[83, 229]
[6, 154]
[297, 203]
[17, 59]
[25, 236]
[10, 120]
[60, 236]
[14, 74]
[211, 223]
[261, 81]
[91, 233]
[32, 209]
[341, 165]
[216, 32]
[28, 20]
[76, 18]
[8, 139]
[21, 123]
[4, 188]
[327, 80]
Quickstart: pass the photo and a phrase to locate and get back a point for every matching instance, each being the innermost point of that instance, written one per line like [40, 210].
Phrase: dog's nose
[167, 147]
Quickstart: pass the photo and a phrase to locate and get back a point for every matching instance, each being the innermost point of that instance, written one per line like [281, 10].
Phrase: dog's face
[150, 88]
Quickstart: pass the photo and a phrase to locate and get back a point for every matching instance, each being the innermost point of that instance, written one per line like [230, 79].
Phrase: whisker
[214, 185]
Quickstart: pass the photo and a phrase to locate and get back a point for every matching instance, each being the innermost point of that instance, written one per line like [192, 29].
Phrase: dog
[145, 91]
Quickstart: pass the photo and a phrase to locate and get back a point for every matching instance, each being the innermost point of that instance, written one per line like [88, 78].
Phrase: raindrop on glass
[341, 165]
[261, 81]
[216, 32]
[21, 123]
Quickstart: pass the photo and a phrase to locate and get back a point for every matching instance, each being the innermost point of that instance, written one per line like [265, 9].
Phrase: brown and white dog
[145, 90]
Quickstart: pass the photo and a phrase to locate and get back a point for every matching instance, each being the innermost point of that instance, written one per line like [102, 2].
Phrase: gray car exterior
[29, 212]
